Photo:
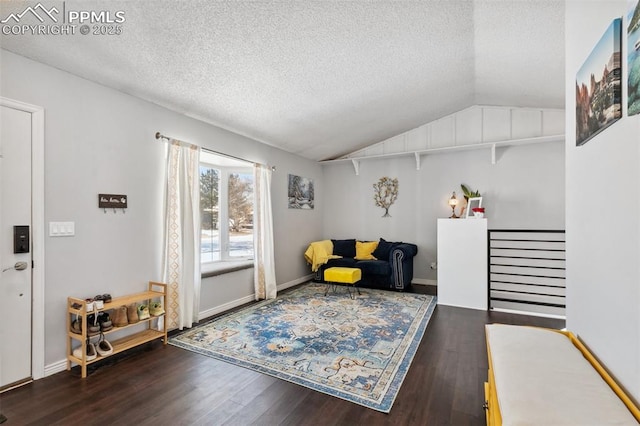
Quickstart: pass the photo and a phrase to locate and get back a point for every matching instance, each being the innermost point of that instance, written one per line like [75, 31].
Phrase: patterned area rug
[358, 350]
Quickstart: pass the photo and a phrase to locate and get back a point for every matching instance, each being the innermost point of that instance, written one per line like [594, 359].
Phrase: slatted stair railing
[527, 271]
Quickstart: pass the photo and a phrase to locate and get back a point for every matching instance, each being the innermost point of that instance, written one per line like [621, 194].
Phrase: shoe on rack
[120, 317]
[143, 312]
[105, 321]
[90, 304]
[93, 328]
[132, 313]
[91, 352]
[76, 325]
[155, 309]
[103, 347]
[98, 302]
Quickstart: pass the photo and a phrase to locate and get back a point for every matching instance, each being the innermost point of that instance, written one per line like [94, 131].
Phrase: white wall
[525, 189]
[226, 291]
[99, 140]
[603, 224]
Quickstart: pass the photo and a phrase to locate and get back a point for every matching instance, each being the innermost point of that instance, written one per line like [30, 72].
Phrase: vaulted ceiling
[318, 78]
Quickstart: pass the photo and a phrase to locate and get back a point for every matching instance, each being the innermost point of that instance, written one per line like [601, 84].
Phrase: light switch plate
[62, 229]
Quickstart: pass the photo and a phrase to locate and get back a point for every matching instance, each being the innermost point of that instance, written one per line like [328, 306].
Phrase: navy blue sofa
[392, 269]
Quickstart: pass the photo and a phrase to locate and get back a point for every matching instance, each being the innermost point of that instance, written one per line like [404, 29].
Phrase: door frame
[37, 234]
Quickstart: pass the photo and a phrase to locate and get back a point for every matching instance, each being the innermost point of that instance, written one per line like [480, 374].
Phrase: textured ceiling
[318, 78]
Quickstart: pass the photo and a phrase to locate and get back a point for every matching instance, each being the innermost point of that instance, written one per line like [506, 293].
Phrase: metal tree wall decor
[385, 193]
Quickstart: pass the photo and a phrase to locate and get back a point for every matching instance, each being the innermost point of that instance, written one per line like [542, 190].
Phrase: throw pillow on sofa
[383, 250]
[344, 248]
[364, 250]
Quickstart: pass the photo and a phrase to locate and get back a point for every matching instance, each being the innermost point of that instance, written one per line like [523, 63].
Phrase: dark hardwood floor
[165, 385]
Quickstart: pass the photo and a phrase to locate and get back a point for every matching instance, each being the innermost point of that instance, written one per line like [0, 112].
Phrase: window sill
[220, 268]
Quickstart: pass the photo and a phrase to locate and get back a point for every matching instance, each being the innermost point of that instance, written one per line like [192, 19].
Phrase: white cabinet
[462, 263]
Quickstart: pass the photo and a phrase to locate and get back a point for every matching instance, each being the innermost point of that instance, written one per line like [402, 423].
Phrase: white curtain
[264, 264]
[181, 258]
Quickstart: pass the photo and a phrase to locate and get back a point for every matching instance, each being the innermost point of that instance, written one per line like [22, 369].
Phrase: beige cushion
[543, 379]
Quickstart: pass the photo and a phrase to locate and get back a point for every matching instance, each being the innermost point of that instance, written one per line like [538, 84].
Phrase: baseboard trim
[529, 313]
[422, 281]
[247, 299]
[56, 367]
[225, 307]
[297, 281]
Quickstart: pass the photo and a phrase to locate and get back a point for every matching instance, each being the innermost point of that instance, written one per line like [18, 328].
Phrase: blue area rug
[358, 350]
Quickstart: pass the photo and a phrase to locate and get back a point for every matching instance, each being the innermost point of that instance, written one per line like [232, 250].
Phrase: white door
[16, 276]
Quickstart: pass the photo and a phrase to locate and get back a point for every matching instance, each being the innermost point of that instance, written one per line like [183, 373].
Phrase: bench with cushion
[546, 377]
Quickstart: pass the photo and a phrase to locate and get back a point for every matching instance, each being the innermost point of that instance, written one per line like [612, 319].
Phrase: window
[226, 209]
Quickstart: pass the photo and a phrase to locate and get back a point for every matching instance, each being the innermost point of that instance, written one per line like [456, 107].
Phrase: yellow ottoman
[342, 276]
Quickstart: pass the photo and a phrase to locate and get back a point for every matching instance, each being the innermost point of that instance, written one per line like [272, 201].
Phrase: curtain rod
[161, 136]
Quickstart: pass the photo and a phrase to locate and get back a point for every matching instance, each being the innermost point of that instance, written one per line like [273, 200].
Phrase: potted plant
[468, 194]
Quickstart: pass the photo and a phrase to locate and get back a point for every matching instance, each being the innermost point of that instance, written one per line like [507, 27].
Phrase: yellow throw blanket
[319, 253]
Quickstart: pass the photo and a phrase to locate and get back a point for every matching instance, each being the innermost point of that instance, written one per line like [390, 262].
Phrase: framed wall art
[598, 86]
[633, 58]
[300, 193]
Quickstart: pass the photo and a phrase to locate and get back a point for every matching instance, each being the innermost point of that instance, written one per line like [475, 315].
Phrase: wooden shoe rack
[156, 291]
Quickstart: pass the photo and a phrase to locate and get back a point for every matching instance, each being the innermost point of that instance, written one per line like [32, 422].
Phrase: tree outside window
[240, 214]
[209, 217]
[226, 211]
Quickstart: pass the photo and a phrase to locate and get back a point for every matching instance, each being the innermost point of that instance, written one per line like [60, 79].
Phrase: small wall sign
[112, 201]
